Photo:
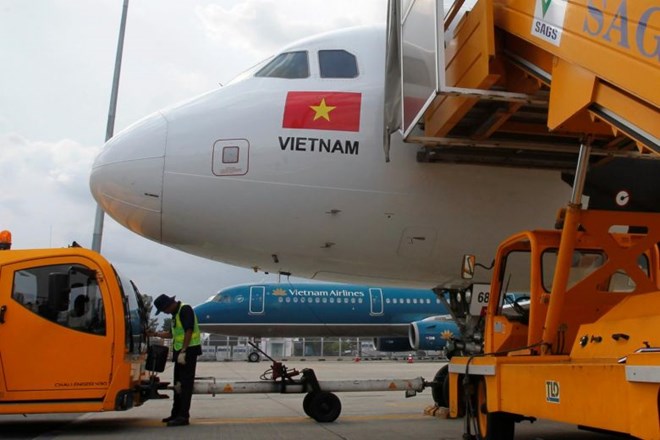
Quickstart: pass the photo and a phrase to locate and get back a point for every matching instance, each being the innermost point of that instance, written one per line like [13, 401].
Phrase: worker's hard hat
[5, 240]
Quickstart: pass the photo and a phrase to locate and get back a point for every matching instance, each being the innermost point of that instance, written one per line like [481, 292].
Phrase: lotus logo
[279, 292]
[447, 335]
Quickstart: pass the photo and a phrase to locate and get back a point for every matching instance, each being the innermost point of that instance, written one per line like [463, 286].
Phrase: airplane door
[56, 343]
[257, 299]
[376, 300]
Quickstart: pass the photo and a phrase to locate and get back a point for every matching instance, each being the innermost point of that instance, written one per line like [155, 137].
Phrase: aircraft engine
[431, 333]
[392, 344]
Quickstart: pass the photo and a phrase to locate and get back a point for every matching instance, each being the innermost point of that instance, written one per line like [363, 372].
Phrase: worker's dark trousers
[184, 374]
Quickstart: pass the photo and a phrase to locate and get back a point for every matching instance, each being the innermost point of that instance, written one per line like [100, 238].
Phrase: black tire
[307, 401]
[254, 357]
[440, 391]
[491, 425]
[324, 407]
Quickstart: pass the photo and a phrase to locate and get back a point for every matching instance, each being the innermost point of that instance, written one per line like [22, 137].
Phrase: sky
[56, 65]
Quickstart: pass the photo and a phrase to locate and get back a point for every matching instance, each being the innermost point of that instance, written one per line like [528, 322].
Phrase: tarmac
[381, 415]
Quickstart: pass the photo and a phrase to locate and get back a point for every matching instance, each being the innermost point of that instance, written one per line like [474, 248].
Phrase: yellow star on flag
[322, 110]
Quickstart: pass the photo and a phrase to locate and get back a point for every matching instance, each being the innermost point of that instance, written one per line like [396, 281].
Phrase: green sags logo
[548, 22]
[545, 4]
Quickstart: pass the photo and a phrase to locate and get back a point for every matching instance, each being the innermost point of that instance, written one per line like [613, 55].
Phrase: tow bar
[320, 403]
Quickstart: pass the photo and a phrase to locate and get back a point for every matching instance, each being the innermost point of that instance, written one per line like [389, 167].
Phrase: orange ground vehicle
[72, 334]
[587, 353]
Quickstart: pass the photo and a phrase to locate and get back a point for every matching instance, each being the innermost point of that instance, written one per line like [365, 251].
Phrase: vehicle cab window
[337, 64]
[134, 316]
[64, 294]
[515, 285]
[289, 65]
[584, 263]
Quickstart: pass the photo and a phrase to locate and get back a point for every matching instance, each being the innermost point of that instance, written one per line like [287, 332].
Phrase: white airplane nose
[127, 176]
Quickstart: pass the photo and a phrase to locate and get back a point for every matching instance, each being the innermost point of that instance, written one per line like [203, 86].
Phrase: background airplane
[283, 170]
[399, 319]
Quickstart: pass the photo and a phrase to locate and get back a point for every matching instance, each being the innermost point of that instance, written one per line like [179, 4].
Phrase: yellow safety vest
[178, 333]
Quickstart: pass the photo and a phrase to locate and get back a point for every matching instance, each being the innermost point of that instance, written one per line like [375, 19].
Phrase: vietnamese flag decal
[323, 110]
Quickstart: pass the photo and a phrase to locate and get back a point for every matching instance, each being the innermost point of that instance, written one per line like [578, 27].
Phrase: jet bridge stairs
[526, 82]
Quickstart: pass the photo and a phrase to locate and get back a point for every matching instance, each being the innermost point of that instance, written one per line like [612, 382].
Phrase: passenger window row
[410, 301]
[319, 300]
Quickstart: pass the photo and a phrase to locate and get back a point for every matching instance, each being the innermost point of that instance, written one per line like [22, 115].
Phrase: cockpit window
[337, 64]
[289, 65]
[222, 298]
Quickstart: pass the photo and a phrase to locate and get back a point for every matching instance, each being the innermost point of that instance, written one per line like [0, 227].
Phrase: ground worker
[186, 344]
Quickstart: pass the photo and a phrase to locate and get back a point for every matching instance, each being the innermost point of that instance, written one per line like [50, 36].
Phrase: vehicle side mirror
[467, 271]
[58, 291]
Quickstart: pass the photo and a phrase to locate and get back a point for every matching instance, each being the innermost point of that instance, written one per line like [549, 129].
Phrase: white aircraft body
[283, 170]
